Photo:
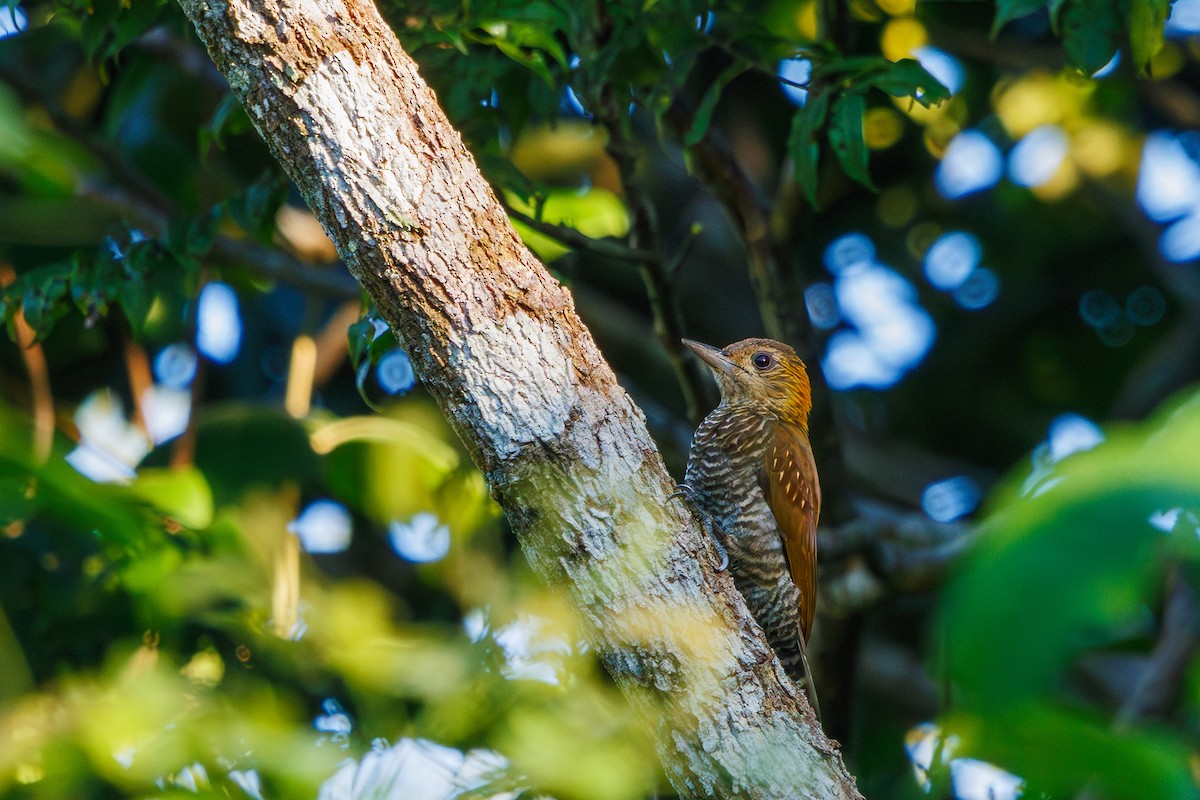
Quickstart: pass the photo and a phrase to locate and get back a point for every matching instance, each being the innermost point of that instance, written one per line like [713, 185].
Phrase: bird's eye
[763, 360]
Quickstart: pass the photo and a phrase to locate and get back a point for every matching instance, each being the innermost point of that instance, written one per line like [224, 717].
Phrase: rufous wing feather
[794, 495]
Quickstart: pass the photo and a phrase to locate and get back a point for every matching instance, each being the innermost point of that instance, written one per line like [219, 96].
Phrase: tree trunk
[497, 341]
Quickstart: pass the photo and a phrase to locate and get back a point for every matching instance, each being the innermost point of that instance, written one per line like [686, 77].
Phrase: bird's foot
[685, 492]
[722, 553]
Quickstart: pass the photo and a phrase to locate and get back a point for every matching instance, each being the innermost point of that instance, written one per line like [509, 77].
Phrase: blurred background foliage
[242, 555]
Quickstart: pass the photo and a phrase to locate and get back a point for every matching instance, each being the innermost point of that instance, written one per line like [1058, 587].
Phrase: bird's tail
[810, 686]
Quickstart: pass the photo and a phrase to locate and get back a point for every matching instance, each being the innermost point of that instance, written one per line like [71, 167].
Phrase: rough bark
[497, 341]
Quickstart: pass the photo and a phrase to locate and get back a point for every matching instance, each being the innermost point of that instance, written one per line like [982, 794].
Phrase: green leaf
[907, 78]
[183, 494]
[1008, 10]
[1092, 32]
[803, 143]
[1105, 495]
[243, 447]
[390, 469]
[847, 139]
[1147, 18]
[708, 104]
[1065, 568]
[136, 17]
[360, 334]
[43, 297]
[255, 209]
[1055, 751]
[96, 26]
[228, 118]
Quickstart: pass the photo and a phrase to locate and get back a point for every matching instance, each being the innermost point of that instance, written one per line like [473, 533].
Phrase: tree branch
[644, 235]
[139, 202]
[579, 241]
[1160, 683]
[497, 341]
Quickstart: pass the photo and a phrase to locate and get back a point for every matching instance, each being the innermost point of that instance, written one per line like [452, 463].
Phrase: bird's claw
[724, 555]
[682, 491]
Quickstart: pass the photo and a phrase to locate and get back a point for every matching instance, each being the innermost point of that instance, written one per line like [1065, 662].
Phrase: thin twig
[141, 378]
[718, 169]
[40, 395]
[1160, 683]
[141, 203]
[644, 235]
[580, 241]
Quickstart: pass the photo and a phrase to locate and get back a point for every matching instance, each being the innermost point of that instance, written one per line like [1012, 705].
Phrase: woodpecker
[751, 474]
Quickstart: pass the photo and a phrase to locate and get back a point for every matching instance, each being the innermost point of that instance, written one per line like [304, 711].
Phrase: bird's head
[761, 373]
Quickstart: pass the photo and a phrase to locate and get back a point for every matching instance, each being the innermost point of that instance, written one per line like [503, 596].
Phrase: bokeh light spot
[941, 65]
[882, 127]
[175, 365]
[109, 446]
[218, 323]
[394, 372]
[1168, 184]
[951, 499]
[1184, 19]
[822, 306]
[893, 331]
[1072, 433]
[334, 720]
[850, 362]
[166, 412]
[972, 163]
[979, 290]
[1037, 157]
[897, 8]
[978, 780]
[1099, 149]
[1098, 308]
[795, 74]
[1145, 305]
[1116, 332]
[1181, 240]
[902, 37]
[1110, 67]
[422, 539]
[848, 251]
[323, 527]
[475, 624]
[532, 651]
[12, 20]
[1165, 520]
[951, 259]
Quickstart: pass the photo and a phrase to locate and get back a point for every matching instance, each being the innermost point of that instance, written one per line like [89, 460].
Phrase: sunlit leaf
[596, 213]
[182, 493]
[392, 469]
[1146, 21]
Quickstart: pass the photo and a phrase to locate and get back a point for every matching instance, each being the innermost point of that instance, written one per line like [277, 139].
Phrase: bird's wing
[794, 494]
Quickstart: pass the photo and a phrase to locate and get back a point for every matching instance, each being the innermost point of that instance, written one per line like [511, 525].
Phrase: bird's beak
[711, 356]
